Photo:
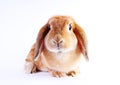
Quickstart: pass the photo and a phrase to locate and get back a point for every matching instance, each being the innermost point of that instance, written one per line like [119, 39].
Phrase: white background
[20, 21]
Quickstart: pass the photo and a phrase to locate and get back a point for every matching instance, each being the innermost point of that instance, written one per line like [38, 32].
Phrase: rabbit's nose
[58, 43]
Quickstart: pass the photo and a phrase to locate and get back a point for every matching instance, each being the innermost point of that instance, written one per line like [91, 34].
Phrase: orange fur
[58, 47]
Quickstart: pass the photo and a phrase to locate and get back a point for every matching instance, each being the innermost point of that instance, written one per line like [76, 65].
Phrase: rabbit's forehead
[60, 21]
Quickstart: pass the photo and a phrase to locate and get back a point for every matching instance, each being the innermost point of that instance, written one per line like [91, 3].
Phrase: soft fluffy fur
[58, 48]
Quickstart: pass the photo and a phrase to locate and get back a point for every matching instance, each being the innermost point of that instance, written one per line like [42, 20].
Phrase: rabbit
[58, 49]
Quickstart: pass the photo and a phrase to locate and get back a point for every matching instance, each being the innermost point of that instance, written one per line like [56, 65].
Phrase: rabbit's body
[58, 48]
[63, 62]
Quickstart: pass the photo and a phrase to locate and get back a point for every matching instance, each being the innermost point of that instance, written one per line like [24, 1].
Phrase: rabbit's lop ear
[40, 39]
[82, 40]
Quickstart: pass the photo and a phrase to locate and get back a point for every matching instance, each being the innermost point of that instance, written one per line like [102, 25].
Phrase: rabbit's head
[60, 37]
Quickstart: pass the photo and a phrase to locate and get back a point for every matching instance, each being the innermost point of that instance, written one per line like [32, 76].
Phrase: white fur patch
[28, 67]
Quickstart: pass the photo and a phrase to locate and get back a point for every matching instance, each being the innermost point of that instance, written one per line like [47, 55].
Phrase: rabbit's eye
[49, 27]
[70, 26]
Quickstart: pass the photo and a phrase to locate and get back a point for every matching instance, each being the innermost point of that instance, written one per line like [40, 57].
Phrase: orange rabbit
[58, 48]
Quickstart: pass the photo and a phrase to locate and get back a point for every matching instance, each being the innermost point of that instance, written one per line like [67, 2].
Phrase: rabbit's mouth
[55, 49]
[58, 49]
